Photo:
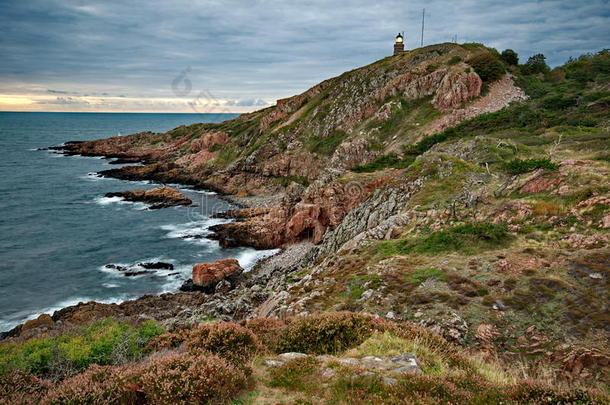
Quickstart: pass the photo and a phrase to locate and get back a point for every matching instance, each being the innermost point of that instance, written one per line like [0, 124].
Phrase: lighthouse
[399, 44]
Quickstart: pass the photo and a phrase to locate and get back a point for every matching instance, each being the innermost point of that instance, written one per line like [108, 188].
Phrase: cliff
[416, 191]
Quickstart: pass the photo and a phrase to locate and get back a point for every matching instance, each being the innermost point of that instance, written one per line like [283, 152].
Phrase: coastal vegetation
[458, 197]
[224, 362]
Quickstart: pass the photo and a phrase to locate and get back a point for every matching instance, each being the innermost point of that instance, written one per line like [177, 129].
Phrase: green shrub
[184, 379]
[487, 66]
[535, 64]
[383, 162]
[325, 145]
[519, 166]
[558, 101]
[102, 342]
[510, 57]
[298, 374]
[455, 59]
[326, 333]
[228, 340]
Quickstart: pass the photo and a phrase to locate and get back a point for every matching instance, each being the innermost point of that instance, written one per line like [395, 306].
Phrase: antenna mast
[423, 18]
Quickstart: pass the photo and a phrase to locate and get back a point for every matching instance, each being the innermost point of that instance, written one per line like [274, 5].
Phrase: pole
[423, 18]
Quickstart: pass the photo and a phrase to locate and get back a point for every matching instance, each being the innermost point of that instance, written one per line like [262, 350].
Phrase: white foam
[110, 285]
[108, 200]
[248, 259]
[194, 228]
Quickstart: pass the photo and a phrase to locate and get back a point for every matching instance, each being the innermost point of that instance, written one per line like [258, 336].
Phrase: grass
[297, 374]
[417, 277]
[467, 237]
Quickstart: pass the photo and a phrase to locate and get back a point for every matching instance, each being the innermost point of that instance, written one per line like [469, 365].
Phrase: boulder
[206, 276]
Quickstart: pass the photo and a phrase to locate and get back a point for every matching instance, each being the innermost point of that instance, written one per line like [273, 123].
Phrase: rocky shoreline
[157, 198]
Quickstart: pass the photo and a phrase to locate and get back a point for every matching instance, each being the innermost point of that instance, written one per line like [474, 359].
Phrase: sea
[61, 240]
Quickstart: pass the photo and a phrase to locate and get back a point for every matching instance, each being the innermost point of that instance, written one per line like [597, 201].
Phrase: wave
[248, 259]
[108, 200]
[194, 231]
[119, 200]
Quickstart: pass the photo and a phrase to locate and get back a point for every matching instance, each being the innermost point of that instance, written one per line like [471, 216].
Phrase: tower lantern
[399, 44]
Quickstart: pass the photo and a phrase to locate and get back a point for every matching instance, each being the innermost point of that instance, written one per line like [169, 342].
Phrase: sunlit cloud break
[65, 55]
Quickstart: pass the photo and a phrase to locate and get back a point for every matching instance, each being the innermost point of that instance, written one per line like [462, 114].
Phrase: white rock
[292, 355]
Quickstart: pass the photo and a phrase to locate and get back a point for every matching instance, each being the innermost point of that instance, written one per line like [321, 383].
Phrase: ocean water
[58, 231]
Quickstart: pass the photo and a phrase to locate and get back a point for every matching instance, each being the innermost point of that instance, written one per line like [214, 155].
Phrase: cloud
[261, 49]
[255, 102]
[64, 101]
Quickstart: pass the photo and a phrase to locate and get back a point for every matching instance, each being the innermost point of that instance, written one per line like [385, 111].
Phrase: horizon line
[117, 112]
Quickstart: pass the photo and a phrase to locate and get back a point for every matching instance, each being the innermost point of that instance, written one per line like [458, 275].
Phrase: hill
[442, 190]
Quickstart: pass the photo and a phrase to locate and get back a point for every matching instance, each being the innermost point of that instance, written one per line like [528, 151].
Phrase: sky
[200, 56]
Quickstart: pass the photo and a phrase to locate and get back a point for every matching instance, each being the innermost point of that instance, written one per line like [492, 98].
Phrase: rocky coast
[423, 189]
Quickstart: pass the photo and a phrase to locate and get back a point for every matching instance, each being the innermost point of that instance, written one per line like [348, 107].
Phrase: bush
[266, 330]
[535, 64]
[228, 340]
[20, 387]
[510, 57]
[487, 66]
[99, 385]
[455, 59]
[186, 379]
[326, 333]
[102, 342]
[519, 166]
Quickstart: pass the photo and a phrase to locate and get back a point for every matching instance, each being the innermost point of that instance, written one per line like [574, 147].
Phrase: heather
[220, 362]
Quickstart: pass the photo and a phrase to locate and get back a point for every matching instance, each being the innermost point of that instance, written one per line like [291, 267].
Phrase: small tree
[487, 66]
[510, 57]
[535, 64]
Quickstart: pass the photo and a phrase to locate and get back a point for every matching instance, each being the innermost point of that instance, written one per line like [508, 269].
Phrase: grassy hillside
[470, 221]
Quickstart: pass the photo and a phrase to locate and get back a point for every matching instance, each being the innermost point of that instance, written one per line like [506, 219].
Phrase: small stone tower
[399, 44]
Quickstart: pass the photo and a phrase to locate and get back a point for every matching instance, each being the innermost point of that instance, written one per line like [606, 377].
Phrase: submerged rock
[156, 266]
[160, 197]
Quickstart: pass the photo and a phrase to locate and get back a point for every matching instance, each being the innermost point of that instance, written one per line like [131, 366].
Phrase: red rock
[208, 140]
[456, 89]
[207, 274]
[541, 183]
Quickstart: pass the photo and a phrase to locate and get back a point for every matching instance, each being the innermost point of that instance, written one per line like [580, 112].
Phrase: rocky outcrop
[302, 215]
[455, 89]
[207, 276]
[160, 197]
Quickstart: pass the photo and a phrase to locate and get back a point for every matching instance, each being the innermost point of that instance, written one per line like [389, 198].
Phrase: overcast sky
[229, 55]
